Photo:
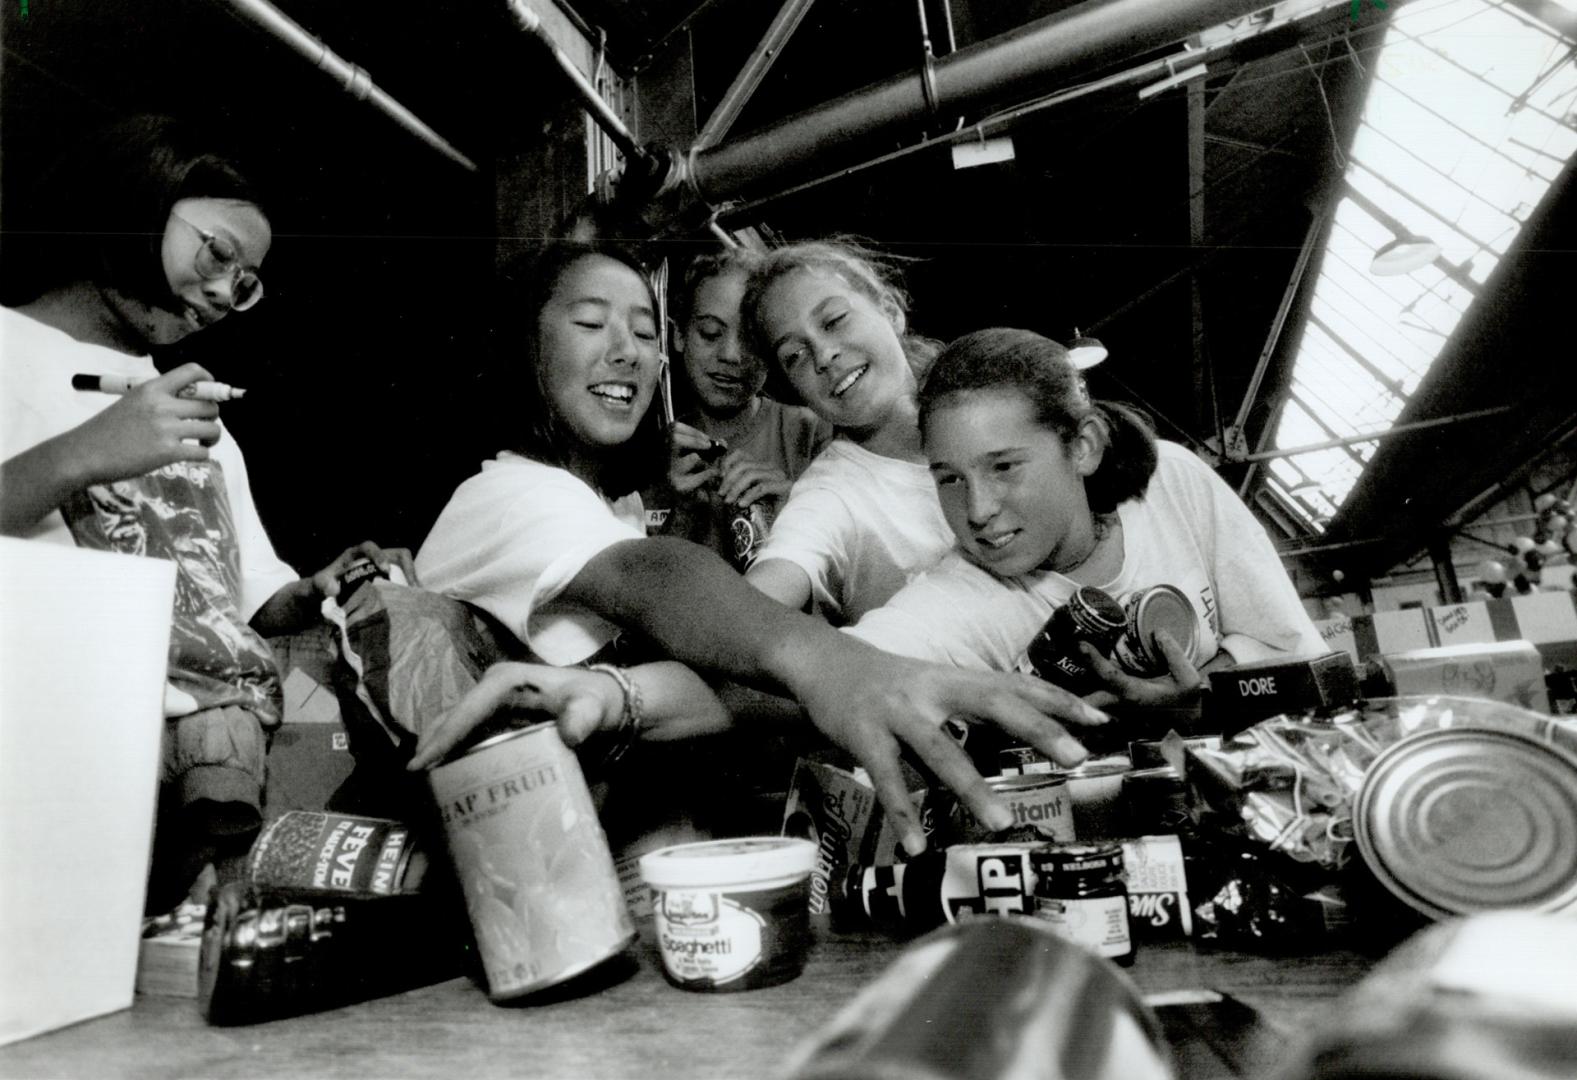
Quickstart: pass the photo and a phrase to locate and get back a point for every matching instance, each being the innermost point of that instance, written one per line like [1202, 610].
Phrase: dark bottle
[269, 953]
[1089, 615]
[1079, 891]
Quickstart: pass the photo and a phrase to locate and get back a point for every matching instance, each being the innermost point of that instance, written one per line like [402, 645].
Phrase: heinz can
[1041, 811]
[1160, 607]
[337, 853]
[540, 884]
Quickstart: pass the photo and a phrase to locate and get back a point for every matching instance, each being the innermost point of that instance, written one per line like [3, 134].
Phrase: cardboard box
[1247, 694]
[171, 947]
[306, 764]
[1509, 671]
[835, 806]
[85, 639]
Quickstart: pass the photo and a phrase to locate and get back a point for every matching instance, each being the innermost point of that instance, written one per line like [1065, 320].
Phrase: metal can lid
[1163, 607]
[491, 738]
[1461, 820]
[1019, 783]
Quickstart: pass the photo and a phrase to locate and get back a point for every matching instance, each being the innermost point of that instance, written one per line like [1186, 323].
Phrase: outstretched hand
[581, 703]
[879, 706]
[1181, 685]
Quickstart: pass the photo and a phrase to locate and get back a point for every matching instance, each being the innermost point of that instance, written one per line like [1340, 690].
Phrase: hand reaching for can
[580, 702]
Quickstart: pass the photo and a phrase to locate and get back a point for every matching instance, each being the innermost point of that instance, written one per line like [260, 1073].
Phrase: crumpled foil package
[1273, 806]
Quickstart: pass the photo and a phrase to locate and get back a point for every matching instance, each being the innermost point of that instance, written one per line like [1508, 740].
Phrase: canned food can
[540, 884]
[337, 853]
[1041, 810]
[1156, 801]
[1462, 820]
[1160, 607]
[1095, 798]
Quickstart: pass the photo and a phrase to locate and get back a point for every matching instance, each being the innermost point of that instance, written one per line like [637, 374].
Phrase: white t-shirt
[1190, 530]
[37, 403]
[860, 525]
[510, 540]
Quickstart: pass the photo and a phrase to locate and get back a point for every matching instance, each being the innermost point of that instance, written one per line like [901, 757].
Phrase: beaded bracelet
[633, 716]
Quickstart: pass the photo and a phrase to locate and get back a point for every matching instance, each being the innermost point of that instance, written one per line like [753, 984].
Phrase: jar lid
[1461, 820]
[1096, 610]
[1016, 782]
[737, 862]
[1077, 858]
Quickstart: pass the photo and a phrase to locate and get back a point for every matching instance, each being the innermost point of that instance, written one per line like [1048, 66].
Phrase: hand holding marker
[202, 390]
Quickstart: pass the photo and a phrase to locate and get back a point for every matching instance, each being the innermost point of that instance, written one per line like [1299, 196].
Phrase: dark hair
[100, 212]
[525, 284]
[874, 276]
[1038, 368]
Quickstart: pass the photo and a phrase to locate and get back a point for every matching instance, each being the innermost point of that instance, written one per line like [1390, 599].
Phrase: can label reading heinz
[540, 884]
[340, 853]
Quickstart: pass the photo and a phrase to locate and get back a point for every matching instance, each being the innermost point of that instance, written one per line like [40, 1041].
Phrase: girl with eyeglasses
[549, 538]
[144, 236]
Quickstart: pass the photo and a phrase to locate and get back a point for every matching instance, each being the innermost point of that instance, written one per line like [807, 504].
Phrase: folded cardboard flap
[84, 641]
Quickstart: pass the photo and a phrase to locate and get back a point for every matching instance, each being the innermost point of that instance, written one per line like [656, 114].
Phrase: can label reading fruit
[540, 884]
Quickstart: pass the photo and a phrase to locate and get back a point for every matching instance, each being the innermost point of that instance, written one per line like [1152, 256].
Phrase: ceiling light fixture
[1085, 352]
[1403, 255]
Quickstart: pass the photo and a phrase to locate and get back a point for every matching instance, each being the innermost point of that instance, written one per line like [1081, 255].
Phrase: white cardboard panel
[84, 637]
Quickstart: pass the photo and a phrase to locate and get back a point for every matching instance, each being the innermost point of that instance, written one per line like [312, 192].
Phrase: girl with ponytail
[1045, 491]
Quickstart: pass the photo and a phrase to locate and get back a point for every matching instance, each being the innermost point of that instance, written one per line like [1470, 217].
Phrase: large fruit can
[540, 884]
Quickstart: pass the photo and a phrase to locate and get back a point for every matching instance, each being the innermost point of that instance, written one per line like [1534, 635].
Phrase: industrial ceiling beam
[1076, 41]
[756, 66]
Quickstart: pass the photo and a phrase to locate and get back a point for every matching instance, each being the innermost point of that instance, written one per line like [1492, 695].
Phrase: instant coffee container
[540, 884]
[1089, 615]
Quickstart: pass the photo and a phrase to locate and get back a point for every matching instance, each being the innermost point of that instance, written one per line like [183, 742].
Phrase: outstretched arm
[873, 704]
[675, 704]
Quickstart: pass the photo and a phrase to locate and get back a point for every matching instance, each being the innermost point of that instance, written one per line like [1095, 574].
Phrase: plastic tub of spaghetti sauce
[732, 914]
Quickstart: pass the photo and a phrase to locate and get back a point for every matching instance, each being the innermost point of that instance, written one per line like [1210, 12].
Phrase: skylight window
[1471, 115]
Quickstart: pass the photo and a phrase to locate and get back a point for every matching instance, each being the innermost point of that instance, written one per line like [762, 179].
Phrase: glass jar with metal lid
[1090, 614]
[1080, 892]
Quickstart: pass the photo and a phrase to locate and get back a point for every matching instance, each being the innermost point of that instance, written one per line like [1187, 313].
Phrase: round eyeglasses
[217, 259]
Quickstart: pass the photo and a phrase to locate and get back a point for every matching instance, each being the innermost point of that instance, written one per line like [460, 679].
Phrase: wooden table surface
[640, 1027]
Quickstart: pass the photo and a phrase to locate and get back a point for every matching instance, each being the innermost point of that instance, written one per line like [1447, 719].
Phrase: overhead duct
[354, 80]
[1026, 61]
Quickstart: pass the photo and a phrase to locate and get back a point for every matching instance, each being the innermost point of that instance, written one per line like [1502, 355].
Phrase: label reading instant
[706, 937]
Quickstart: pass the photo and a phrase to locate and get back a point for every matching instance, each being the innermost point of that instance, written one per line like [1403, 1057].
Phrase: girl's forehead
[594, 274]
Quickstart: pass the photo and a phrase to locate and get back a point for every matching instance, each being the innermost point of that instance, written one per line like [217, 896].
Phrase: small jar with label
[1080, 891]
[1089, 615]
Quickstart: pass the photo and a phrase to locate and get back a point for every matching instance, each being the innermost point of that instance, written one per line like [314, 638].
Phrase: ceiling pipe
[354, 80]
[1020, 63]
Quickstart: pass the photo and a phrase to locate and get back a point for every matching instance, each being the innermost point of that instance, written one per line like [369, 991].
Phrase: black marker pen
[202, 390]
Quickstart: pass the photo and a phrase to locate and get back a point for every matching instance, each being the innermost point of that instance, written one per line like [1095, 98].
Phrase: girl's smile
[1012, 491]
